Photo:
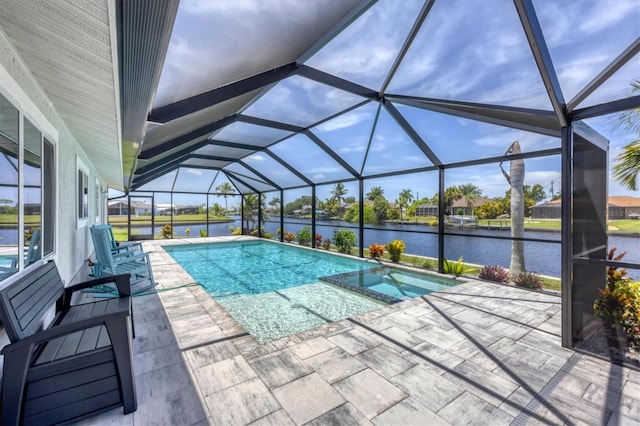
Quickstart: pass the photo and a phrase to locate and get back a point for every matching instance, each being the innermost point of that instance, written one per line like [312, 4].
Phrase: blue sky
[470, 51]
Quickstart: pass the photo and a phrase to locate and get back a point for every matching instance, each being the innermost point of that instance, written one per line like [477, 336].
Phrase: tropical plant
[620, 308]
[318, 240]
[236, 231]
[166, 231]
[404, 199]
[225, 189]
[455, 267]
[627, 166]
[304, 236]
[470, 193]
[515, 177]
[326, 244]
[376, 250]
[395, 249]
[375, 192]
[203, 232]
[274, 204]
[528, 280]
[615, 275]
[289, 236]
[338, 192]
[430, 264]
[495, 273]
[250, 210]
[344, 239]
[353, 214]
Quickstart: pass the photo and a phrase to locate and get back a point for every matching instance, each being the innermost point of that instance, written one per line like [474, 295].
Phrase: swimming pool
[394, 284]
[273, 290]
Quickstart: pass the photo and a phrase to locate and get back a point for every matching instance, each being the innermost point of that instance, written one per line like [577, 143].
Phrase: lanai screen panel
[455, 139]
[470, 51]
[214, 150]
[211, 164]
[310, 160]
[241, 173]
[301, 102]
[206, 31]
[266, 165]
[585, 37]
[392, 149]
[162, 183]
[349, 134]
[250, 134]
[365, 51]
[194, 180]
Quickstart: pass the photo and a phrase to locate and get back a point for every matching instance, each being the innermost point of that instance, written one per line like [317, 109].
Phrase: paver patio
[479, 353]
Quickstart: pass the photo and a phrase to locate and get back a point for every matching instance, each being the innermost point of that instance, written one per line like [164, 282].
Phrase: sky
[469, 51]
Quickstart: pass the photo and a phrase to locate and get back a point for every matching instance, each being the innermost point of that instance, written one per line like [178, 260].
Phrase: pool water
[273, 290]
[254, 267]
[394, 283]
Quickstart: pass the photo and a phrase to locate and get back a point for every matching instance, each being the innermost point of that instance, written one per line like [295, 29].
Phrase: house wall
[72, 243]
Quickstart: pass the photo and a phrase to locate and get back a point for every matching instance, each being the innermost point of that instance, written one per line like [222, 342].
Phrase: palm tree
[515, 177]
[404, 199]
[338, 192]
[471, 193]
[275, 201]
[451, 194]
[225, 189]
[250, 210]
[374, 193]
[628, 161]
[628, 166]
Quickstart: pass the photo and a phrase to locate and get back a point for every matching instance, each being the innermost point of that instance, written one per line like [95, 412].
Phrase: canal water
[541, 257]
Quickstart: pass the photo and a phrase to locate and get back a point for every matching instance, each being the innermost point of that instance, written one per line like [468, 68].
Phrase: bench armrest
[65, 329]
[122, 282]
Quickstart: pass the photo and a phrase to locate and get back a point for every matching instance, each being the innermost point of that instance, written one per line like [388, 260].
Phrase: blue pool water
[396, 284]
[273, 290]
[254, 267]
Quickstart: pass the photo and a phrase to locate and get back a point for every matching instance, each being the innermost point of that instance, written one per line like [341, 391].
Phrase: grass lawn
[161, 220]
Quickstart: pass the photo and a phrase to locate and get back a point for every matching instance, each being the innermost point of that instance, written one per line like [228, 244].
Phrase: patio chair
[119, 246]
[34, 252]
[136, 263]
[31, 253]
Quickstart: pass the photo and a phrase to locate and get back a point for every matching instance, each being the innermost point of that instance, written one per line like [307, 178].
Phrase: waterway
[541, 257]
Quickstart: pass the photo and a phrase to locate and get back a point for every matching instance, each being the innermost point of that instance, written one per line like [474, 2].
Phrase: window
[83, 195]
[27, 190]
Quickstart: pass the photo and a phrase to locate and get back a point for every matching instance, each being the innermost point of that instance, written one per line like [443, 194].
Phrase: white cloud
[196, 172]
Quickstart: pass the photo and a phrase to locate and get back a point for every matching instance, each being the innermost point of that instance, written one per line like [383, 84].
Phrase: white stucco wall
[73, 244]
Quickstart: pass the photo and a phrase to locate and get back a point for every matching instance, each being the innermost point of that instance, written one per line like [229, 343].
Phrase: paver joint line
[545, 392]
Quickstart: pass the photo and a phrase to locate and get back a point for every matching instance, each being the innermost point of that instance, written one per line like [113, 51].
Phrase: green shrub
[304, 236]
[528, 280]
[236, 231]
[621, 308]
[203, 232]
[345, 239]
[395, 249]
[430, 264]
[456, 267]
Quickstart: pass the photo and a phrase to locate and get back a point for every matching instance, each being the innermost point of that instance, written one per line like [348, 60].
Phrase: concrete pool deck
[478, 353]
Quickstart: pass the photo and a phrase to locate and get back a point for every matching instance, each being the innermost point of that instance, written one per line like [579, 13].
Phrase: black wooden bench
[79, 365]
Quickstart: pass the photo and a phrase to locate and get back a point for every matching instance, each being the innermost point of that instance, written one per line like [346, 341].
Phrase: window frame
[82, 194]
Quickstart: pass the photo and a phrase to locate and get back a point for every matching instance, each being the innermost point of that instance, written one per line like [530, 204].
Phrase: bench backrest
[25, 302]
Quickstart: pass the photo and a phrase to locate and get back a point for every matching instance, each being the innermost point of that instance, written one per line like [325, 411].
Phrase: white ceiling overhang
[69, 51]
